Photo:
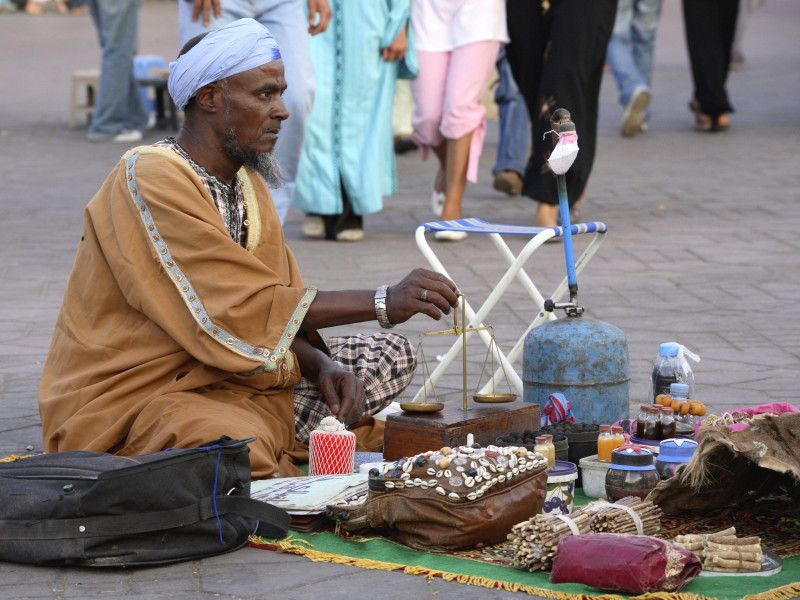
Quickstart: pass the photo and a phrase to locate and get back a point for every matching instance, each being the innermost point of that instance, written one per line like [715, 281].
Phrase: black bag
[94, 509]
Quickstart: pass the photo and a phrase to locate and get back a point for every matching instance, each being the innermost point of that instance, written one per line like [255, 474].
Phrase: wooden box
[411, 433]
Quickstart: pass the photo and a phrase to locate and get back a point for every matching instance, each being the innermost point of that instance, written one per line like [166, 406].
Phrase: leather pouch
[451, 499]
[634, 564]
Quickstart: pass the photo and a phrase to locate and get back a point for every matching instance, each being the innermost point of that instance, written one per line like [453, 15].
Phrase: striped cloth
[384, 362]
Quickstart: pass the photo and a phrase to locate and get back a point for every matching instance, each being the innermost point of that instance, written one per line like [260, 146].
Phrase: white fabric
[441, 25]
[235, 48]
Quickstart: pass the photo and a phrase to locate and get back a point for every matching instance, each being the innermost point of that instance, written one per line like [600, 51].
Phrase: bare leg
[441, 153]
[456, 160]
[546, 215]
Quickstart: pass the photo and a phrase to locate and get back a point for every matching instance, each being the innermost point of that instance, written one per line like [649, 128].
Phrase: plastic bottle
[686, 375]
[605, 444]
[667, 368]
[680, 401]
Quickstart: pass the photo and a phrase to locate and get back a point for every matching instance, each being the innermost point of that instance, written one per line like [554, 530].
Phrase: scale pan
[494, 398]
[422, 407]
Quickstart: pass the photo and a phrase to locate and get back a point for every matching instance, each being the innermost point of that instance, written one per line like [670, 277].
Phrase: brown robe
[171, 334]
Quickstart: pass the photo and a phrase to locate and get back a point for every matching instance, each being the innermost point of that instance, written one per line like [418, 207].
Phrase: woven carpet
[491, 568]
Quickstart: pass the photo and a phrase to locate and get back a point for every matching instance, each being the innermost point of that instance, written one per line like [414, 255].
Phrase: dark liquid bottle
[666, 369]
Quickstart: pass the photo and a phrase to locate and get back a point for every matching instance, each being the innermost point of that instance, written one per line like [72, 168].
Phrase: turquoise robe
[348, 138]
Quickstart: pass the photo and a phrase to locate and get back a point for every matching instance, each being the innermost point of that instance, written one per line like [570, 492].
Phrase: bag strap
[273, 522]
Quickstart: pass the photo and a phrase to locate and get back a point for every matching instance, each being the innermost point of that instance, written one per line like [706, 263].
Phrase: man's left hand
[319, 16]
[397, 49]
[343, 392]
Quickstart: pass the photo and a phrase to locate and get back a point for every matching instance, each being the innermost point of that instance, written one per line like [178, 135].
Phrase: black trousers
[710, 27]
[557, 59]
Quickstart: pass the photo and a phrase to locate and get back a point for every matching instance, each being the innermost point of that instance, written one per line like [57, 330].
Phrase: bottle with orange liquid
[605, 444]
[617, 434]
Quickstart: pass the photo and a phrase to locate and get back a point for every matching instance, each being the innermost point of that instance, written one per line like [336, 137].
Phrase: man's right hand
[207, 7]
[421, 291]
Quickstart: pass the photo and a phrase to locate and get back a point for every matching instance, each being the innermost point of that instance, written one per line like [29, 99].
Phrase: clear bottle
[617, 435]
[680, 401]
[544, 446]
[605, 444]
[667, 368]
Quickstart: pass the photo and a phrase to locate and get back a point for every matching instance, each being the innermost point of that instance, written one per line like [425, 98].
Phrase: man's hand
[343, 393]
[397, 49]
[207, 7]
[421, 291]
[319, 16]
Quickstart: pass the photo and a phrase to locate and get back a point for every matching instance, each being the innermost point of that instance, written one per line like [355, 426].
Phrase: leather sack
[425, 502]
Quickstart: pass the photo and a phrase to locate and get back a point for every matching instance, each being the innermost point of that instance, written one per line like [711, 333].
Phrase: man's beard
[263, 163]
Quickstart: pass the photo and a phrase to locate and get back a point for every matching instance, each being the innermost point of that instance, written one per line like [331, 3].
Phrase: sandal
[709, 123]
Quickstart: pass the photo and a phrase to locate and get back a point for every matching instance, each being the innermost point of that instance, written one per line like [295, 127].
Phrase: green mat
[382, 554]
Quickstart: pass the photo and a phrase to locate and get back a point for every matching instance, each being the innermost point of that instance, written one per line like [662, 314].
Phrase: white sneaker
[350, 235]
[313, 227]
[450, 236]
[437, 202]
[635, 112]
[127, 136]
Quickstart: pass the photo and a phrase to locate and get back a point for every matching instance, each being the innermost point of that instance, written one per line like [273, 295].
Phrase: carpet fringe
[304, 548]
[786, 592]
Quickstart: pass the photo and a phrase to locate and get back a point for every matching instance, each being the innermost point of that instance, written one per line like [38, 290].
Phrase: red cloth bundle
[331, 449]
[634, 564]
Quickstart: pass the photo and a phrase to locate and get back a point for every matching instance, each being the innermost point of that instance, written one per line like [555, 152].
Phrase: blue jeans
[286, 21]
[630, 51]
[118, 105]
[512, 148]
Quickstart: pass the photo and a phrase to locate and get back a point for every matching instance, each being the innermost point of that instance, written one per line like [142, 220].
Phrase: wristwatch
[381, 295]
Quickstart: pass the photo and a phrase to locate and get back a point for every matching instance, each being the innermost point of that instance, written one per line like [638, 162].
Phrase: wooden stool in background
[82, 103]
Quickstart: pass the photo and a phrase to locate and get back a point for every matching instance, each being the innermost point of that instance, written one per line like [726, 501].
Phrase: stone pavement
[702, 249]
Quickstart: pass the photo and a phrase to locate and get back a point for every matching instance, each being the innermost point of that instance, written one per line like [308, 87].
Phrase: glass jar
[641, 420]
[605, 444]
[652, 423]
[617, 435]
[544, 446]
[668, 426]
[632, 473]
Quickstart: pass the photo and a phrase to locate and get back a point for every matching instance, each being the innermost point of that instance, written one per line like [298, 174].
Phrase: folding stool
[495, 231]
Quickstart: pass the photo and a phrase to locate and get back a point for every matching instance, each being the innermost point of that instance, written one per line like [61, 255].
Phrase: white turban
[235, 48]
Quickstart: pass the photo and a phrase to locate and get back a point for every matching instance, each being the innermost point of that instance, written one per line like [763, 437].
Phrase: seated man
[186, 317]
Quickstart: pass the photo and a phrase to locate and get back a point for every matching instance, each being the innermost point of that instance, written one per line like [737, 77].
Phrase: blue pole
[569, 254]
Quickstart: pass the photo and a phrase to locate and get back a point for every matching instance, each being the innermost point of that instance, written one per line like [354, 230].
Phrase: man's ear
[209, 98]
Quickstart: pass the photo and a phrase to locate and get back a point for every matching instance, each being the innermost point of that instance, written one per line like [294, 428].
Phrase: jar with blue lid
[674, 453]
[632, 473]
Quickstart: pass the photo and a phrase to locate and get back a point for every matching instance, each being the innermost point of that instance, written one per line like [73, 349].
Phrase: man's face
[254, 108]
[252, 115]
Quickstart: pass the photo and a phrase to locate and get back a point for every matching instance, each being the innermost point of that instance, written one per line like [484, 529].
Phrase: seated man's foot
[635, 112]
[509, 182]
[313, 227]
[126, 136]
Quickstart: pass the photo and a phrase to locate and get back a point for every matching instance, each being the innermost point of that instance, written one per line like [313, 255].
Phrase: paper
[310, 495]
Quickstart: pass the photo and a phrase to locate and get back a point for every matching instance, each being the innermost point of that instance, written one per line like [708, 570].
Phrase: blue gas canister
[585, 360]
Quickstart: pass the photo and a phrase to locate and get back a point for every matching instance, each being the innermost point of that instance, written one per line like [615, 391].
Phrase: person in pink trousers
[457, 45]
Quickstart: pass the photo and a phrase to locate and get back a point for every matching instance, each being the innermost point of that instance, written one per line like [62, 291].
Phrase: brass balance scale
[491, 397]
